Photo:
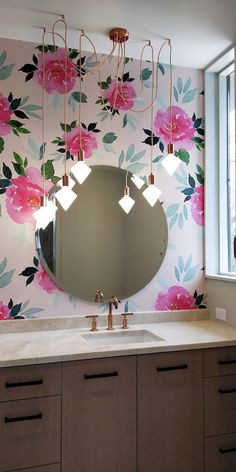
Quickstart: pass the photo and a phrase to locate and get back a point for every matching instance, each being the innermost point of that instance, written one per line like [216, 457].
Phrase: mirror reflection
[96, 245]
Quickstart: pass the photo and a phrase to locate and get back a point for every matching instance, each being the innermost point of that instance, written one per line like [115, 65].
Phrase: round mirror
[96, 245]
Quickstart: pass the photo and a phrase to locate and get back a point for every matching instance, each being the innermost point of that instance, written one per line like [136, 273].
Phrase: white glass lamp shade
[137, 181]
[65, 197]
[126, 203]
[44, 215]
[171, 162]
[71, 182]
[80, 170]
[152, 193]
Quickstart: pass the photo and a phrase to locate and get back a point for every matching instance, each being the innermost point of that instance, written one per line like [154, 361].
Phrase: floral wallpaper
[112, 134]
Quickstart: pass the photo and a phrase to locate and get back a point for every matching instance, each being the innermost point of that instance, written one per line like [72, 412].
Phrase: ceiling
[200, 30]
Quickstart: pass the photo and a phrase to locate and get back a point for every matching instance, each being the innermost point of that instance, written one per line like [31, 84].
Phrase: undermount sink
[109, 338]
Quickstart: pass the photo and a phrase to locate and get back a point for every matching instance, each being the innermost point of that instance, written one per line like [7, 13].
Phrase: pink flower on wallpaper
[88, 141]
[44, 281]
[182, 127]
[56, 79]
[197, 205]
[5, 115]
[120, 95]
[23, 196]
[4, 312]
[176, 298]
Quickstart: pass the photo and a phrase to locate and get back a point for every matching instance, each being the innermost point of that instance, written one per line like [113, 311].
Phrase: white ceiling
[200, 30]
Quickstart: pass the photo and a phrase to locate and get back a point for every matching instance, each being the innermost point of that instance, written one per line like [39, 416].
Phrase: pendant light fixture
[137, 181]
[65, 195]
[170, 162]
[46, 211]
[80, 170]
[152, 193]
[126, 202]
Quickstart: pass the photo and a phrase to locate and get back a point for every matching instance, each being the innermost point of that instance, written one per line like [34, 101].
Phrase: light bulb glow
[71, 182]
[65, 197]
[152, 193]
[44, 215]
[171, 163]
[137, 181]
[81, 171]
[126, 203]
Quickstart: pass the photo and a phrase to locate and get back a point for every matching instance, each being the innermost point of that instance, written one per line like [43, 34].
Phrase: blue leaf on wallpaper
[72, 103]
[185, 212]
[121, 158]
[136, 168]
[161, 100]
[5, 279]
[131, 122]
[138, 156]
[161, 68]
[180, 221]
[145, 74]
[177, 274]
[171, 246]
[179, 85]
[56, 100]
[147, 83]
[24, 100]
[24, 305]
[189, 96]
[109, 148]
[176, 95]
[190, 274]
[33, 147]
[172, 209]
[130, 152]
[181, 264]
[173, 221]
[181, 179]
[187, 85]
[3, 265]
[6, 71]
[3, 58]
[188, 263]
[182, 170]
[31, 311]
[126, 307]
[124, 121]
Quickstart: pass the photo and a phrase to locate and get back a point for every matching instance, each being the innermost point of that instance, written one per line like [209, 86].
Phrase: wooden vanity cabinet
[170, 412]
[99, 415]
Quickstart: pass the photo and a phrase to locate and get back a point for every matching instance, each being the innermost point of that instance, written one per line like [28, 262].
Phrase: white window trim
[216, 260]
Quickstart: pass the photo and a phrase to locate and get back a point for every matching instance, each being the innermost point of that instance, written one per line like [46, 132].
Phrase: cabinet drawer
[30, 381]
[221, 361]
[30, 433]
[44, 468]
[220, 405]
[220, 454]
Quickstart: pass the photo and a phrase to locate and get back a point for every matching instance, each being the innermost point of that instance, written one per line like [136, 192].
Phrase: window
[220, 193]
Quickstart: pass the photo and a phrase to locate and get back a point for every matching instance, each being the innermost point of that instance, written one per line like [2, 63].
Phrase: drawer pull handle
[100, 376]
[26, 383]
[12, 419]
[231, 361]
[226, 451]
[229, 390]
[174, 367]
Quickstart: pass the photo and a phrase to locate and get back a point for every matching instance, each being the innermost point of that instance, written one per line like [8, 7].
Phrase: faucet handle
[94, 322]
[99, 296]
[125, 321]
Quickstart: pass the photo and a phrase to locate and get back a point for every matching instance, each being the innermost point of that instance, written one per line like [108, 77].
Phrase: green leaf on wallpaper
[79, 97]
[42, 150]
[109, 138]
[3, 265]
[121, 158]
[189, 96]
[136, 168]
[5, 279]
[124, 121]
[183, 155]
[23, 130]
[6, 71]
[6, 171]
[138, 156]
[176, 95]
[179, 85]
[1, 144]
[15, 103]
[130, 152]
[172, 209]
[47, 169]
[187, 85]
[145, 74]
[161, 68]
[191, 181]
[55, 179]
[3, 58]
[18, 158]
[19, 168]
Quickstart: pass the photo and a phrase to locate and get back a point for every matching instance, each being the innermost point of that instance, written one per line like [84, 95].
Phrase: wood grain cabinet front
[99, 415]
[44, 468]
[220, 453]
[170, 412]
[30, 433]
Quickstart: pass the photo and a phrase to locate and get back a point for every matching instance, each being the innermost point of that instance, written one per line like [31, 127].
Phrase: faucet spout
[112, 301]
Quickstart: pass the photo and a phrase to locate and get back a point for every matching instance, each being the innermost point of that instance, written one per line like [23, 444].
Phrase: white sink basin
[111, 338]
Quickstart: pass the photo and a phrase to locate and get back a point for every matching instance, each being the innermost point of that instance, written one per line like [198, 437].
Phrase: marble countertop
[54, 340]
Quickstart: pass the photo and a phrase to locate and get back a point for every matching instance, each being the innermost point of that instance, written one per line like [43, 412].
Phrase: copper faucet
[98, 296]
[112, 301]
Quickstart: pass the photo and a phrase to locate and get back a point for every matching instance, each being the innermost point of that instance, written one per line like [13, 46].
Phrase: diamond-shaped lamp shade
[71, 182]
[137, 181]
[45, 214]
[65, 195]
[171, 162]
[80, 170]
[152, 193]
[126, 202]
